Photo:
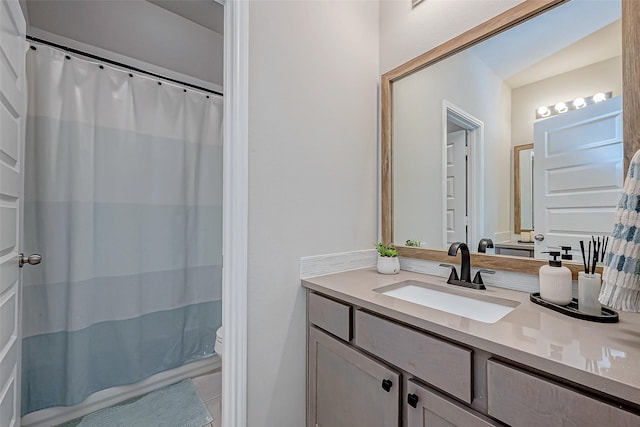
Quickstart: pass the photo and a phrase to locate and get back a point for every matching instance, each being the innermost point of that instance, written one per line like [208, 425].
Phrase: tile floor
[209, 388]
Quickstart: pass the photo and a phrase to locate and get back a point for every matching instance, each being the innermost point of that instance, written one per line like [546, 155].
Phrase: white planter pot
[388, 265]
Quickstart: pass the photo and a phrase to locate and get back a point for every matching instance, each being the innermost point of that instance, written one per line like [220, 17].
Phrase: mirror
[523, 188]
[418, 117]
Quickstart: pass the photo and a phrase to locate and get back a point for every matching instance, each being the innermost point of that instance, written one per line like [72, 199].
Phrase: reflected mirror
[523, 190]
[462, 160]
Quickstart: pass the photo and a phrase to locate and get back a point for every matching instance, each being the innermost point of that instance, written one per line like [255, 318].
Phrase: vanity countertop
[600, 356]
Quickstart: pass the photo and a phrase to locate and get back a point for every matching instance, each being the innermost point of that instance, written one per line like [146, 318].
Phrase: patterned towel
[621, 274]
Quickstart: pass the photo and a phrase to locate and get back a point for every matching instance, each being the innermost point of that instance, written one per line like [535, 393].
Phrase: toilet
[218, 346]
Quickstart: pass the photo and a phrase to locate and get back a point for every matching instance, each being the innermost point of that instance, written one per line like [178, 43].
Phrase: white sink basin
[482, 308]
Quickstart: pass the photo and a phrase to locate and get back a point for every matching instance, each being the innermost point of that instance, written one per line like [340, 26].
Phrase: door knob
[386, 385]
[412, 399]
[31, 260]
[539, 237]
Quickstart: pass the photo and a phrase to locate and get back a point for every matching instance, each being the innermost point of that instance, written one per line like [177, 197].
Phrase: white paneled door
[456, 187]
[578, 175]
[12, 110]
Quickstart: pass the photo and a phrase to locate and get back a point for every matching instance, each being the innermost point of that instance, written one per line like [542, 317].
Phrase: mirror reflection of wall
[500, 83]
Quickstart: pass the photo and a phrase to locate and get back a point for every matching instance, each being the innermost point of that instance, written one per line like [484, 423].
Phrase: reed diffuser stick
[604, 250]
[584, 259]
[596, 248]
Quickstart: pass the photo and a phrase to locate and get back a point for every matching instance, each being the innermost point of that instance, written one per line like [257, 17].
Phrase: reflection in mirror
[457, 122]
[523, 187]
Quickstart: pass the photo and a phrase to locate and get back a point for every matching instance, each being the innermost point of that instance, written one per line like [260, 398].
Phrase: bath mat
[177, 405]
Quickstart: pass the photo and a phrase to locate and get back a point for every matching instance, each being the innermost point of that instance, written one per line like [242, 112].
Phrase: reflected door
[578, 175]
[456, 215]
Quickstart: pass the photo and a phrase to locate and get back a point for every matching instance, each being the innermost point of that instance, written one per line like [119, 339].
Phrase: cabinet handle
[412, 400]
[386, 385]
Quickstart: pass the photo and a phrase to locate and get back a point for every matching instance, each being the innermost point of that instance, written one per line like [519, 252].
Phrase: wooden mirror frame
[512, 17]
[517, 202]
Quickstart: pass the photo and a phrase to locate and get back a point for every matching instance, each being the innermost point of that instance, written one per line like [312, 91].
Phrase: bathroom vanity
[515, 248]
[378, 360]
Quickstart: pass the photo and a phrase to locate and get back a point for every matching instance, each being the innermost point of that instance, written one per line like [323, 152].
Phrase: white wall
[312, 176]
[406, 33]
[136, 29]
[418, 146]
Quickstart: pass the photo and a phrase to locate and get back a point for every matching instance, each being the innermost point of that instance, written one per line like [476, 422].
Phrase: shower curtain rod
[120, 64]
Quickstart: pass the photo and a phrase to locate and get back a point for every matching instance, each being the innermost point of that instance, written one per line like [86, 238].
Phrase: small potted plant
[415, 243]
[388, 262]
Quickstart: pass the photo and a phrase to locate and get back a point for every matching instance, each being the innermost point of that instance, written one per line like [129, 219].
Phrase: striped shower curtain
[123, 198]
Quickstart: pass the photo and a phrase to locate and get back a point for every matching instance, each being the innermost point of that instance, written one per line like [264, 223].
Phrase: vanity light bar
[578, 103]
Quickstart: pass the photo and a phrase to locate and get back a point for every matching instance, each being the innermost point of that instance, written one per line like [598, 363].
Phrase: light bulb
[561, 107]
[599, 97]
[579, 103]
[544, 111]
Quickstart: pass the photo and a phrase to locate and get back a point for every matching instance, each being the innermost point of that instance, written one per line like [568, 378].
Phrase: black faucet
[465, 265]
[465, 269]
[483, 244]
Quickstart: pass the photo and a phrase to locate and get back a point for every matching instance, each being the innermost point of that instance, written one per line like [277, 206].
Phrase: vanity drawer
[330, 315]
[522, 399]
[442, 364]
[515, 252]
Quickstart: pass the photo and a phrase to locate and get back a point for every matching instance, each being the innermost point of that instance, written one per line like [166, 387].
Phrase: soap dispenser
[555, 281]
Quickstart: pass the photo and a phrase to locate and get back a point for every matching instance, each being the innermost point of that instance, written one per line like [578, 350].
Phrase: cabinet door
[346, 387]
[427, 407]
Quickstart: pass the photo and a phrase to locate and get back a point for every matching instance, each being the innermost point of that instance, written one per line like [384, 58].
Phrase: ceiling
[208, 13]
[571, 36]
[601, 45]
